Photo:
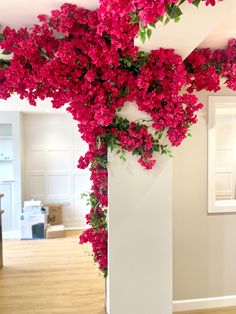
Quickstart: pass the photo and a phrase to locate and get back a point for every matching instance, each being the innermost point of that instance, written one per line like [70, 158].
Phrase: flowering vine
[207, 67]
[74, 58]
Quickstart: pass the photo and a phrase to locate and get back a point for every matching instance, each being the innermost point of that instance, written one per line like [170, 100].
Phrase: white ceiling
[18, 13]
[224, 31]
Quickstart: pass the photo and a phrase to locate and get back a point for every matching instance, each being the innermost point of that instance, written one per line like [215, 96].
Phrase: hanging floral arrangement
[71, 58]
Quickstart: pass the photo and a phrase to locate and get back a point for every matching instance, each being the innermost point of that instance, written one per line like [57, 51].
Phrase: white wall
[204, 245]
[52, 148]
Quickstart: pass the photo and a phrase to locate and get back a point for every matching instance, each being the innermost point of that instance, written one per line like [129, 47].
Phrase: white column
[140, 237]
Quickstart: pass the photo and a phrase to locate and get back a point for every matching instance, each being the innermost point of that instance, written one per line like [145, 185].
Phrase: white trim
[76, 228]
[211, 155]
[206, 303]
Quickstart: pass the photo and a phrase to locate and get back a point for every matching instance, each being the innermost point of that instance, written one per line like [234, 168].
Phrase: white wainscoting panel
[52, 148]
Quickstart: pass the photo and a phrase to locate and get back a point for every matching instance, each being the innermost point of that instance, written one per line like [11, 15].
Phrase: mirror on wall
[222, 154]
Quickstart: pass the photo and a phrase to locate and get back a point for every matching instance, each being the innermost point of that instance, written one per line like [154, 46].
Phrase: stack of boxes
[55, 229]
[39, 222]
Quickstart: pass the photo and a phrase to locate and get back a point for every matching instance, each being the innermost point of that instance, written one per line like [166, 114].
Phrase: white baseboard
[11, 235]
[76, 228]
[207, 303]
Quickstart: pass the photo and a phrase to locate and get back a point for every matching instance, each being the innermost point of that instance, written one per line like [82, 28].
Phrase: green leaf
[196, 3]
[152, 24]
[142, 36]
[4, 64]
[5, 52]
[160, 136]
[134, 18]
[182, 1]
[1, 37]
[176, 12]
[177, 19]
[169, 9]
[149, 33]
[143, 28]
[82, 195]
[167, 20]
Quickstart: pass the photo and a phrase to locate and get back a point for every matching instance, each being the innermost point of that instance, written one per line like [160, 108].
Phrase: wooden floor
[55, 276]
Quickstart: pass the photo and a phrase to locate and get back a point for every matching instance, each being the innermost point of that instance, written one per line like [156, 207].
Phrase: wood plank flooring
[55, 276]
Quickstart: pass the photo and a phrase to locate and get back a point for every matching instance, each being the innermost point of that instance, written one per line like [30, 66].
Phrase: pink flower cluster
[138, 140]
[98, 239]
[229, 64]
[159, 84]
[97, 234]
[206, 67]
[115, 20]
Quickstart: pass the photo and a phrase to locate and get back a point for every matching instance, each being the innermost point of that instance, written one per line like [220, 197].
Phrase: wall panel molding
[51, 172]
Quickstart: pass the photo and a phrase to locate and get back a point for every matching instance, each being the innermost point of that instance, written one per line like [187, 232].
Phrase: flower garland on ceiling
[206, 67]
[68, 59]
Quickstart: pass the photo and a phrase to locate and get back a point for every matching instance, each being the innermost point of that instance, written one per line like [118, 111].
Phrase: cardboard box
[53, 232]
[32, 207]
[33, 226]
[54, 212]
